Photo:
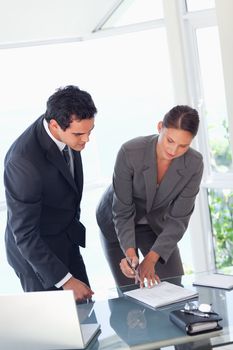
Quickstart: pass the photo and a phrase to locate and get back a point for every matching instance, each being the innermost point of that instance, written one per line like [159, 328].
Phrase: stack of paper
[162, 294]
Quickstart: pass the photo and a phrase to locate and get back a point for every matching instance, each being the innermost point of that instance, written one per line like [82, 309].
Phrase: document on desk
[215, 280]
[162, 294]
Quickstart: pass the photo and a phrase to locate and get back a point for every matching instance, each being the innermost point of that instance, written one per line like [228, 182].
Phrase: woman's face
[172, 143]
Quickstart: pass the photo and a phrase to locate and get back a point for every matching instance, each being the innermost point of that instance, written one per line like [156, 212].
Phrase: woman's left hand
[146, 270]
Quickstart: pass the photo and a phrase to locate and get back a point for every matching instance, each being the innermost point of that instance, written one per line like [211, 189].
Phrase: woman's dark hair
[68, 103]
[182, 117]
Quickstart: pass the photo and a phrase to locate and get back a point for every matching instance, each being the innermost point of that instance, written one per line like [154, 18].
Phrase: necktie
[66, 155]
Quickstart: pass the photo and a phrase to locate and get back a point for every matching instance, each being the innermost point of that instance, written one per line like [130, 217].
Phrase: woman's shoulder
[194, 160]
[194, 154]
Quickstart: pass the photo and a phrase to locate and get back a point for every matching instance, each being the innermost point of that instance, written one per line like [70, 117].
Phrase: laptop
[45, 321]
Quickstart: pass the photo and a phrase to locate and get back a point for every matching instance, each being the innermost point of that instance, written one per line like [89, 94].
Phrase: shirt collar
[60, 145]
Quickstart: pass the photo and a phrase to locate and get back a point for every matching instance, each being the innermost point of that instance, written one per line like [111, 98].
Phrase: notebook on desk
[214, 280]
[163, 294]
[43, 321]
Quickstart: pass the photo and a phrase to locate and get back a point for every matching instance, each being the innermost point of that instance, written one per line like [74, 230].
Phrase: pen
[195, 313]
[133, 268]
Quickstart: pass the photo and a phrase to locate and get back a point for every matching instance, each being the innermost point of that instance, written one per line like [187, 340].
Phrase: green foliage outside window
[221, 205]
[221, 202]
[221, 158]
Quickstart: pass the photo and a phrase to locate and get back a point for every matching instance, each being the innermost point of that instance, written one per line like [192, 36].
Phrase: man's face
[76, 135]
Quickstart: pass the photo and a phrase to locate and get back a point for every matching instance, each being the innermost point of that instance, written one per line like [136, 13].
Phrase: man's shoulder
[26, 142]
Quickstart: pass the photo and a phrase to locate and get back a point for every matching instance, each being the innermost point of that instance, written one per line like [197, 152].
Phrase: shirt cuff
[63, 281]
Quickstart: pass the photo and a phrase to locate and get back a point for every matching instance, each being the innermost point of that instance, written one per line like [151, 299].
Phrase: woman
[148, 206]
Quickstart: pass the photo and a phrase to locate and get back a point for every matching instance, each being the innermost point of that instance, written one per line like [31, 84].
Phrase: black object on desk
[194, 324]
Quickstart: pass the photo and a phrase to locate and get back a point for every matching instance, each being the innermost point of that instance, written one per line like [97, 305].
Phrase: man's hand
[81, 290]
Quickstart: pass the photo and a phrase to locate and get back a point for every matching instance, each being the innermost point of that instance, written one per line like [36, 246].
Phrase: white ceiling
[42, 20]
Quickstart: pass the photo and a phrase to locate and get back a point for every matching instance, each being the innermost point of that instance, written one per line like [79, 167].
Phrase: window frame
[191, 21]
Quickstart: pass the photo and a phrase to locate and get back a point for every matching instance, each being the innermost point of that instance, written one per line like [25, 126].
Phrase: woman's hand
[146, 270]
[129, 264]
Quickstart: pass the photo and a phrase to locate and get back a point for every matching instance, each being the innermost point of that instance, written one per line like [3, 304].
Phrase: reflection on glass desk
[128, 324]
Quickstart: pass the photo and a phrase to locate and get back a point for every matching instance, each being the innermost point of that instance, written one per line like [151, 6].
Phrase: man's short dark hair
[69, 103]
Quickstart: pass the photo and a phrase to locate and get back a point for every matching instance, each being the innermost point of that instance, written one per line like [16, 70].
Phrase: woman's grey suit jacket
[135, 195]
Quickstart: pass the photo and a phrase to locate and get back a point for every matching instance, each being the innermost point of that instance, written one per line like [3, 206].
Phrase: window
[221, 203]
[127, 76]
[207, 86]
[9, 281]
[214, 99]
[135, 11]
[198, 5]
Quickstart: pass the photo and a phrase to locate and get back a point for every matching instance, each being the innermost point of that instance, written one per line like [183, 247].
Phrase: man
[43, 195]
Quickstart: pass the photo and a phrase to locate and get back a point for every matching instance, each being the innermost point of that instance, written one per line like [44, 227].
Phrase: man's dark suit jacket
[43, 201]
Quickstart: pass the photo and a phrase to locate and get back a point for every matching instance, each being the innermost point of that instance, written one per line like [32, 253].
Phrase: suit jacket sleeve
[24, 195]
[178, 215]
[123, 204]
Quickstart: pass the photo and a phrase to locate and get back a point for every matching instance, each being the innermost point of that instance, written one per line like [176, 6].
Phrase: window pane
[198, 5]
[214, 98]
[221, 204]
[135, 11]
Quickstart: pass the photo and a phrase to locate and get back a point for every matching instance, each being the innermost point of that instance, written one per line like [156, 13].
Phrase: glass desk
[128, 324]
